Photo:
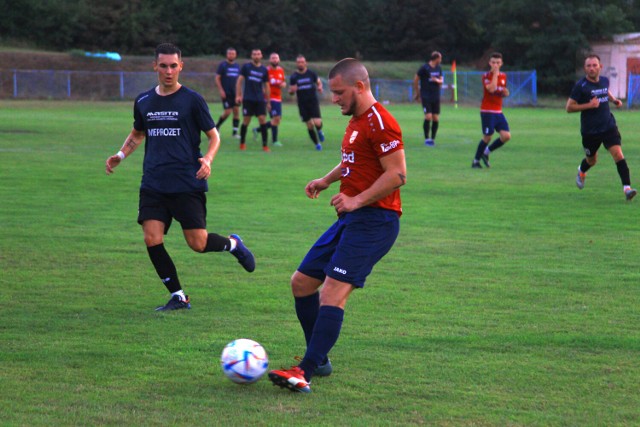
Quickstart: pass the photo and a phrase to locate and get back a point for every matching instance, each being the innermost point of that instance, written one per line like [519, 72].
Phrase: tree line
[546, 35]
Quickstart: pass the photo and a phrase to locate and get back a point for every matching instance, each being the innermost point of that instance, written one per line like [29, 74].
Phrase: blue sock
[325, 335]
[307, 310]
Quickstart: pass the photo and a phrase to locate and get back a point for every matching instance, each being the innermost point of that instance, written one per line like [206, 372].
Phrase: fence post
[15, 83]
[121, 84]
[68, 84]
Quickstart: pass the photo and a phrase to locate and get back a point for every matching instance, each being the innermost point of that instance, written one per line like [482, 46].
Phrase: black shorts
[229, 101]
[189, 209]
[254, 108]
[591, 143]
[429, 106]
[309, 110]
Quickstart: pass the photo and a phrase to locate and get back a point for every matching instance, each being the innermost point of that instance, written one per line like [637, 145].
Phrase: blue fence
[114, 85]
[633, 90]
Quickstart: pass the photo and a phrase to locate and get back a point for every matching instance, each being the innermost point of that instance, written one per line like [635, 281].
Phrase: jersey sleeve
[202, 114]
[576, 93]
[138, 120]
[389, 139]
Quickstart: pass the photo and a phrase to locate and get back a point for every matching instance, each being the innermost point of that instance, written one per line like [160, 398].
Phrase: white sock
[233, 244]
[487, 151]
[181, 294]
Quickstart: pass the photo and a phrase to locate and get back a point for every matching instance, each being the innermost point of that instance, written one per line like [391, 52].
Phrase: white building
[619, 58]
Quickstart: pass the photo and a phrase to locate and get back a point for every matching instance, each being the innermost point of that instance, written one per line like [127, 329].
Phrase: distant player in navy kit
[429, 77]
[226, 78]
[170, 118]
[306, 84]
[252, 90]
[590, 96]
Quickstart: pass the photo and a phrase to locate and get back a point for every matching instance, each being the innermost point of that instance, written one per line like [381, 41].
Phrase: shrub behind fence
[122, 85]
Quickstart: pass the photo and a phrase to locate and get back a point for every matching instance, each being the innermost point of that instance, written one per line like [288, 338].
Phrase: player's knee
[303, 285]
[505, 137]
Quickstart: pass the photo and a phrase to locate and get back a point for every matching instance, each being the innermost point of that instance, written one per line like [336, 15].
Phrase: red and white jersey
[492, 102]
[276, 77]
[368, 138]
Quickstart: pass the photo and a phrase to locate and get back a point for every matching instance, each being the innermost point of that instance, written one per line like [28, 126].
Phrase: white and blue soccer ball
[244, 361]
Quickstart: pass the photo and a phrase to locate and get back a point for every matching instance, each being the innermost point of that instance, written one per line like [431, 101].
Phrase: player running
[495, 89]
[590, 96]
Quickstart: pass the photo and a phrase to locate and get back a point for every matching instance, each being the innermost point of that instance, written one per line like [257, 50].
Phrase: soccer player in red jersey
[371, 171]
[495, 89]
[277, 82]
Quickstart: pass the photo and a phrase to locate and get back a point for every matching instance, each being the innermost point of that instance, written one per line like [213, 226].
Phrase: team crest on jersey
[353, 137]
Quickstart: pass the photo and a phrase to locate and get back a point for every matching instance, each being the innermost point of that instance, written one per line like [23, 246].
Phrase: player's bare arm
[416, 88]
[223, 94]
[319, 84]
[239, 86]
[314, 187]
[394, 176]
[205, 161]
[573, 106]
[615, 100]
[132, 142]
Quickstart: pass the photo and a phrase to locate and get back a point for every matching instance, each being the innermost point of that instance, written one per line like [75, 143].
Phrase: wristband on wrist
[121, 155]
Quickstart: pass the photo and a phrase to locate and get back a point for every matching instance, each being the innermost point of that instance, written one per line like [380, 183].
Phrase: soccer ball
[244, 361]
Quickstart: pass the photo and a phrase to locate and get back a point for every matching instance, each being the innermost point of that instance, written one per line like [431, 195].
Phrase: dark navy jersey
[594, 120]
[172, 125]
[428, 89]
[307, 83]
[228, 75]
[254, 78]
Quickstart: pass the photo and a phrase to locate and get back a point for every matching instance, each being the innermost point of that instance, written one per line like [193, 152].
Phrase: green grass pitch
[510, 297]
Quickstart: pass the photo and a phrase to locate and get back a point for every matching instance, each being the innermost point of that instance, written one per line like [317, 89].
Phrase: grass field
[510, 297]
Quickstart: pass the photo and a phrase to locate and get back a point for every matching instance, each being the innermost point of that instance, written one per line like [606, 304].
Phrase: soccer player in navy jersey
[429, 77]
[226, 78]
[169, 119]
[306, 85]
[371, 170]
[590, 96]
[252, 90]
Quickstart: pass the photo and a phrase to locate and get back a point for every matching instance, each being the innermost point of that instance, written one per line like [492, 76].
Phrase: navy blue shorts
[350, 248]
[493, 122]
[276, 108]
[189, 209]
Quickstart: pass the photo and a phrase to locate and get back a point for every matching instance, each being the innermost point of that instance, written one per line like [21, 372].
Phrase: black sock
[274, 133]
[584, 166]
[265, 135]
[480, 150]
[314, 137]
[164, 267]
[220, 122]
[623, 171]
[243, 133]
[217, 243]
[434, 129]
[425, 127]
[236, 122]
[495, 145]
